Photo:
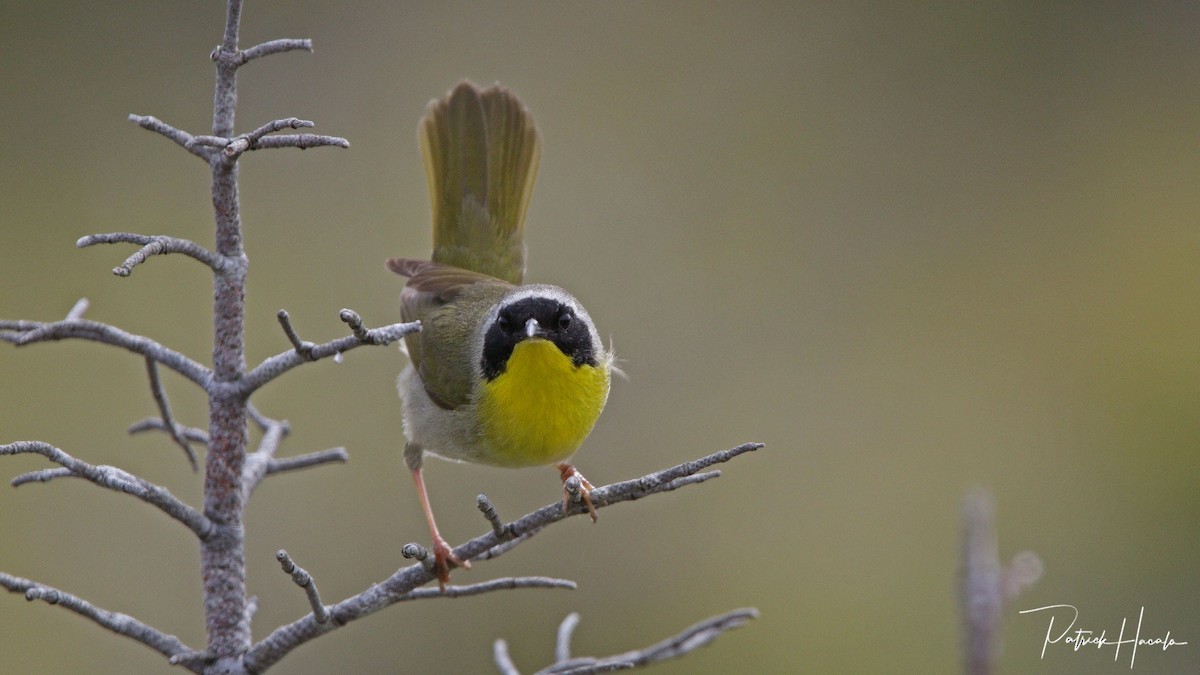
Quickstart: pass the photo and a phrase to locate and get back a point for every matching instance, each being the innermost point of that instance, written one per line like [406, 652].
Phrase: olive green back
[481, 152]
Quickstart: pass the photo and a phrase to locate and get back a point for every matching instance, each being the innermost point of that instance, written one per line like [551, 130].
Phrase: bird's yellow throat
[539, 410]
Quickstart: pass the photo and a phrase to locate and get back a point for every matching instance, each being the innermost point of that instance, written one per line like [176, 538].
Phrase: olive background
[913, 249]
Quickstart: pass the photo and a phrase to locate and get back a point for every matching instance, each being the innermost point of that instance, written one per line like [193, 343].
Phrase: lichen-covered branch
[279, 364]
[122, 624]
[153, 245]
[114, 479]
[22, 333]
[402, 584]
[675, 646]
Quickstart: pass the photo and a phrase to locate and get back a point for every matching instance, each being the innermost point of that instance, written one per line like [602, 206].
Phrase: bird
[501, 373]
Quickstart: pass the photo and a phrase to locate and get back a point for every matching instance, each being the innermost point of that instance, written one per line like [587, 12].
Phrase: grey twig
[181, 138]
[504, 662]
[274, 47]
[154, 245]
[164, 407]
[502, 584]
[279, 364]
[300, 141]
[306, 461]
[400, 585]
[191, 434]
[26, 332]
[167, 645]
[685, 642]
[303, 347]
[258, 462]
[41, 476]
[984, 585]
[77, 310]
[562, 641]
[115, 479]
[304, 580]
[488, 510]
[243, 142]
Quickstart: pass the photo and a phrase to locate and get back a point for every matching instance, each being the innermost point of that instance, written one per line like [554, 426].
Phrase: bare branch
[244, 142]
[77, 310]
[274, 47]
[984, 585]
[114, 479]
[154, 245]
[401, 584]
[122, 624]
[303, 347]
[304, 580]
[503, 584]
[685, 642]
[301, 141]
[488, 510]
[562, 641]
[25, 332]
[164, 407]
[286, 638]
[192, 434]
[255, 467]
[504, 662]
[41, 476]
[182, 138]
[306, 461]
[279, 364]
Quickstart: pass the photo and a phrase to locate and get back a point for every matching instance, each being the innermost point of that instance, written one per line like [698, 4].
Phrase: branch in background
[164, 407]
[192, 434]
[23, 332]
[114, 479]
[986, 586]
[685, 642]
[167, 645]
[154, 245]
[279, 364]
[400, 586]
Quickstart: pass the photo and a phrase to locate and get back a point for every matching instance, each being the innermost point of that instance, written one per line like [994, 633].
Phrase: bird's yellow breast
[539, 410]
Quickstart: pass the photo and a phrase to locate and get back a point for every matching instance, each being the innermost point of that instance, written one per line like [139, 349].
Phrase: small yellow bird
[500, 373]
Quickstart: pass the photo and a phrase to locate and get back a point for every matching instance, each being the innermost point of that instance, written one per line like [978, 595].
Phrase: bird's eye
[564, 321]
[503, 321]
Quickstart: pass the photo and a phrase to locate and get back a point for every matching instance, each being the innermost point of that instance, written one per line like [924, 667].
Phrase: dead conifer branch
[23, 333]
[279, 364]
[401, 584]
[164, 407]
[675, 646]
[154, 245]
[274, 47]
[182, 138]
[119, 480]
[122, 624]
[308, 460]
[191, 434]
[304, 580]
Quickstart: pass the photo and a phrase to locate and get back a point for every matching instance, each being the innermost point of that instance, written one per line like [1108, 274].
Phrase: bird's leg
[443, 556]
[585, 488]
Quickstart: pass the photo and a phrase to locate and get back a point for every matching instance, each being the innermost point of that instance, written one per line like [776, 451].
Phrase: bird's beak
[532, 328]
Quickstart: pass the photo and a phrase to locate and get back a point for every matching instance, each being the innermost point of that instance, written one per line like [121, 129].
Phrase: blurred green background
[913, 249]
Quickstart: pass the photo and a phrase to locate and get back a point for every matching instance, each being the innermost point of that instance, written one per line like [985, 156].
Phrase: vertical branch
[222, 557]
